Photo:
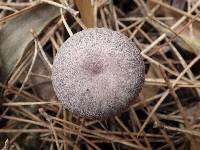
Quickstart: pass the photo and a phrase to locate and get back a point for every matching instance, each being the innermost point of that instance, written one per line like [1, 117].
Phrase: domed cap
[98, 73]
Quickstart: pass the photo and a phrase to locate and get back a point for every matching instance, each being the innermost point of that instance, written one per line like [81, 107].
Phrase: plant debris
[165, 115]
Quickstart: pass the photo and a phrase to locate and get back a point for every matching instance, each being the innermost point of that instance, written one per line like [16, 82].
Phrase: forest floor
[164, 116]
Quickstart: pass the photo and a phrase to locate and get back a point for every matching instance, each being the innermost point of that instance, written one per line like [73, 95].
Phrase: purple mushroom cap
[98, 73]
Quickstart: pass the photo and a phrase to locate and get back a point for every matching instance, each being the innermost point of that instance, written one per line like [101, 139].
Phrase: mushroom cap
[98, 73]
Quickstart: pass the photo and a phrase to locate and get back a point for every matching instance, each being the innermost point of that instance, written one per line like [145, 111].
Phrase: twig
[48, 118]
[6, 146]
[66, 7]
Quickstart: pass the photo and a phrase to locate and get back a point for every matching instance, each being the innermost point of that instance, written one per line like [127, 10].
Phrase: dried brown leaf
[15, 36]
[183, 36]
[187, 35]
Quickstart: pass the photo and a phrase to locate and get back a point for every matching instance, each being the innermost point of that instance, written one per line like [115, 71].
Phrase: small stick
[6, 145]
[66, 7]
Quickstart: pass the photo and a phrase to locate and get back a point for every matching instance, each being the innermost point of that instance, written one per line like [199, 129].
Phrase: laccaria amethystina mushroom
[98, 73]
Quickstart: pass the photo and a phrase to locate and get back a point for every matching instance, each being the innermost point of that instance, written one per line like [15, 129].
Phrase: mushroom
[98, 73]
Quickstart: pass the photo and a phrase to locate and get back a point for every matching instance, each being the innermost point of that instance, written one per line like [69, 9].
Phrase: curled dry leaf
[186, 38]
[15, 36]
[187, 34]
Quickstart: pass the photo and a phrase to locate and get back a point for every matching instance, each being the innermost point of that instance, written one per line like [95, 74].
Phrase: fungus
[98, 73]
